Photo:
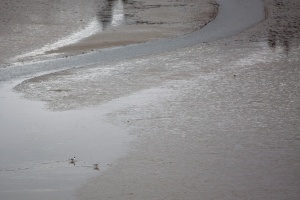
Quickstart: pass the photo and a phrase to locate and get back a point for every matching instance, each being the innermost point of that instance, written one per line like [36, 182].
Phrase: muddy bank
[35, 30]
[145, 21]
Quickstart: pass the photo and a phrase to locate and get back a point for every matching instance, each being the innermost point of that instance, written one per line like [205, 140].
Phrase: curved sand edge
[139, 21]
[152, 20]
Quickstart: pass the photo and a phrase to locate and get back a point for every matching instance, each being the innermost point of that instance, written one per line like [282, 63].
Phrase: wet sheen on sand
[36, 145]
[217, 120]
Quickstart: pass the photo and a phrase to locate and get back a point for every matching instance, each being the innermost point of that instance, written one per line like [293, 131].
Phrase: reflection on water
[281, 38]
[111, 13]
[284, 29]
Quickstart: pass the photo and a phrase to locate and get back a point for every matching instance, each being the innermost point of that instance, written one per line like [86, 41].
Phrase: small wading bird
[72, 160]
[96, 166]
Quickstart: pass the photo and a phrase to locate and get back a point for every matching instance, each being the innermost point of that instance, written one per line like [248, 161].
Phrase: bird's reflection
[283, 30]
[280, 38]
[111, 13]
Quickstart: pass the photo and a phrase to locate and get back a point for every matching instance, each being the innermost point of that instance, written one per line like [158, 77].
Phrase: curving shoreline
[103, 24]
[216, 120]
[224, 25]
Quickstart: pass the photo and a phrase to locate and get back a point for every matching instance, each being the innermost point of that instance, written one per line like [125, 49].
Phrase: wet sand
[224, 123]
[76, 27]
[145, 21]
[34, 154]
[29, 25]
[227, 125]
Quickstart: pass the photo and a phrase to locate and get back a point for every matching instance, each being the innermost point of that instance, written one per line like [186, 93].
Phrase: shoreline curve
[227, 23]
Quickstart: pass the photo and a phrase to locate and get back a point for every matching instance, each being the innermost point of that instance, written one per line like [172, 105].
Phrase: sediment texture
[225, 124]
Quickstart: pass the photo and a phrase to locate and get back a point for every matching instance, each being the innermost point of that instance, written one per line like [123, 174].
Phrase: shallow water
[36, 144]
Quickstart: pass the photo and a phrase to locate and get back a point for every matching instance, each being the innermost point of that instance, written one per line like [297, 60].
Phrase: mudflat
[35, 29]
[213, 121]
[145, 21]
